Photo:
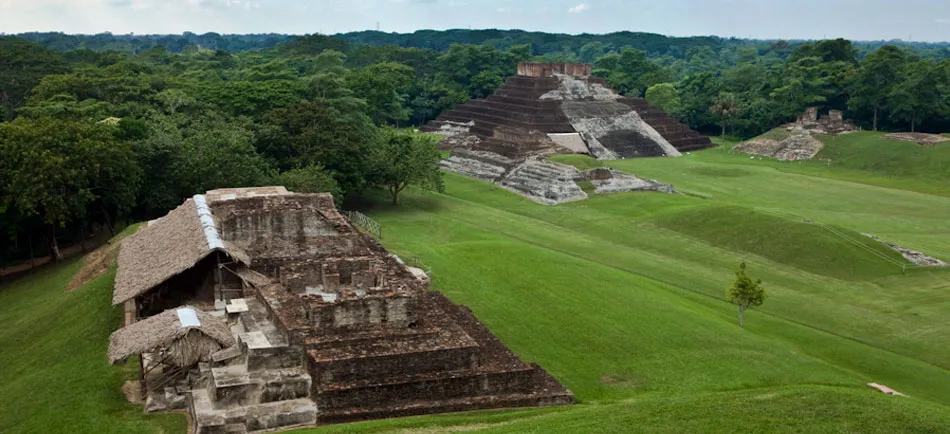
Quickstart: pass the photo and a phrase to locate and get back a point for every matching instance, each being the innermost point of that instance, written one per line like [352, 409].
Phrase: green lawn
[621, 298]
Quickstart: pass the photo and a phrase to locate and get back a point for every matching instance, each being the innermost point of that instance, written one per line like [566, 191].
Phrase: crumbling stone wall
[533, 69]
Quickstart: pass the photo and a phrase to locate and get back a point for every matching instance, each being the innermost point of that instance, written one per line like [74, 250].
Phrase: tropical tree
[57, 169]
[404, 158]
[916, 96]
[384, 87]
[664, 96]
[875, 80]
[727, 106]
[745, 292]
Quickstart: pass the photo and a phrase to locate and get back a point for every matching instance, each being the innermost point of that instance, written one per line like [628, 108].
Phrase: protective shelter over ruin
[324, 324]
[556, 108]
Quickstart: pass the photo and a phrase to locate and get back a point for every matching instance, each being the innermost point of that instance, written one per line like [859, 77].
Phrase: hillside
[867, 157]
[621, 298]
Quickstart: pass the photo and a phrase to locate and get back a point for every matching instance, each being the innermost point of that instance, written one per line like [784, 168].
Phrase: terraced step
[414, 408]
[261, 417]
[433, 386]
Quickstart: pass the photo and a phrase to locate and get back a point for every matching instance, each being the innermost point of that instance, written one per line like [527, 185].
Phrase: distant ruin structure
[833, 123]
[259, 309]
[548, 109]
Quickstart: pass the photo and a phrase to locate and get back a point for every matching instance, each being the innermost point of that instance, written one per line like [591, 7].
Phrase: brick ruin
[332, 328]
[554, 108]
[833, 123]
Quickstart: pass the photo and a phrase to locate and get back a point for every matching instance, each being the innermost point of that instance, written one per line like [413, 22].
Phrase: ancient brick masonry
[334, 319]
[532, 101]
[556, 108]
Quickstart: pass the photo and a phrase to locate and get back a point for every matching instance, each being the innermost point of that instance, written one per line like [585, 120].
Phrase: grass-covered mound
[871, 152]
[806, 245]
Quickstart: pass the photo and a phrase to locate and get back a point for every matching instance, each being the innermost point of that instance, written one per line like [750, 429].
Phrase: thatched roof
[167, 247]
[188, 333]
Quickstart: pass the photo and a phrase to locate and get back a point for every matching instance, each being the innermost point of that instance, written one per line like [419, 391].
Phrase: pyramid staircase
[518, 104]
[678, 134]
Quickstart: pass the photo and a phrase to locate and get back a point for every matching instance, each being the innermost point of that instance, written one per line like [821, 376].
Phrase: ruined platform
[329, 327]
[550, 109]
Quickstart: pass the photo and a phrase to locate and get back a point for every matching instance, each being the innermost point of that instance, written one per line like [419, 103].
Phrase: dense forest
[101, 129]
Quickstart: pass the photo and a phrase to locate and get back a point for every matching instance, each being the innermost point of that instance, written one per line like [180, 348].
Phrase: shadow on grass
[379, 201]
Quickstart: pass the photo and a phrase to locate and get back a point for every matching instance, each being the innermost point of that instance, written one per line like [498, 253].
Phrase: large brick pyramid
[564, 104]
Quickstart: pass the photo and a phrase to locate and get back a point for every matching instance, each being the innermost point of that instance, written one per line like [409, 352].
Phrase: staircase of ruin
[261, 384]
[521, 102]
[678, 134]
[445, 361]
[544, 181]
[452, 364]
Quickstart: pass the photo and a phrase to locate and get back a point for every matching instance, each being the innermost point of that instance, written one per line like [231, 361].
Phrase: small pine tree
[745, 292]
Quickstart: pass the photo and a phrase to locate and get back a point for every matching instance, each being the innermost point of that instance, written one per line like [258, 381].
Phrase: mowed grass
[867, 157]
[621, 297]
[53, 366]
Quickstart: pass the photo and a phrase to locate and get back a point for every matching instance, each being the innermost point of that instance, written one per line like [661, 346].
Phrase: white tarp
[572, 141]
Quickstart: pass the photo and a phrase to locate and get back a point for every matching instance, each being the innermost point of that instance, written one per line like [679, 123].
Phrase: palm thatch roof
[167, 247]
[186, 334]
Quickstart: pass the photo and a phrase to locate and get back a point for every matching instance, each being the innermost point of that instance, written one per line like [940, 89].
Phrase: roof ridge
[207, 223]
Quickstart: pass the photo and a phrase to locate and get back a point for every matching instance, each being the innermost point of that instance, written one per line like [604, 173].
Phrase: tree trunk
[54, 252]
[723, 127]
[82, 237]
[913, 124]
[395, 193]
[875, 118]
[105, 214]
[741, 311]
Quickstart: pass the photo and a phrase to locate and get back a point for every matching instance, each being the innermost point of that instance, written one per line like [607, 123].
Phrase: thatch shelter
[172, 261]
[182, 337]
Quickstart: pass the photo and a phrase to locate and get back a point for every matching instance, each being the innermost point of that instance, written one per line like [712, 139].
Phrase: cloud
[579, 8]
[943, 20]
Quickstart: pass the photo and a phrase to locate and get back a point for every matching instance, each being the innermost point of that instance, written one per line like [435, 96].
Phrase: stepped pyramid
[556, 108]
[314, 321]
[562, 108]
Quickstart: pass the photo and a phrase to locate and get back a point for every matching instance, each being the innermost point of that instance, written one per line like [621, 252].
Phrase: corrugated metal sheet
[207, 223]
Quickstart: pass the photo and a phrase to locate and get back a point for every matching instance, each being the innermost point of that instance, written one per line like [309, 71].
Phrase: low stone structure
[555, 108]
[325, 325]
[794, 147]
[918, 258]
[833, 123]
[922, 139]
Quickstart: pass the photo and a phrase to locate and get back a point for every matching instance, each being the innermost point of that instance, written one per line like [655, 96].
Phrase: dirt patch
[634, 380]
[923, 139]
[132, 390]
[95, 264]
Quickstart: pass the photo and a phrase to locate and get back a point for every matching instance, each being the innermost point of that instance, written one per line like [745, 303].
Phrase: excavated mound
[923, 139]
[548, 110]
[795, 147]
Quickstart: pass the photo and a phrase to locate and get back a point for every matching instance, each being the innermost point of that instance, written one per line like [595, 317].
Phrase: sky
[918, 20]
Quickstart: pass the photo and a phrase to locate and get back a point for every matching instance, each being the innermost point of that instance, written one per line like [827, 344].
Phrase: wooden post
[219, 294]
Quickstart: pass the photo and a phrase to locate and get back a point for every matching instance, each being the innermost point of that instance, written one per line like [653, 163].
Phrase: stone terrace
[336, 329]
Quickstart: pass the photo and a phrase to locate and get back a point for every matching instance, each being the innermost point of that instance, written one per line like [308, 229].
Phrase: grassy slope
[55, 375]
[620, 297]
[868, 158]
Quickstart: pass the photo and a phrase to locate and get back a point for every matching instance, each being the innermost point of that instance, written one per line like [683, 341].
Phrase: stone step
[414, 408]
[433, 386]
[261, 417]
